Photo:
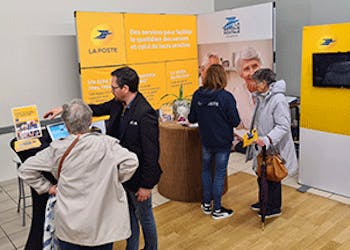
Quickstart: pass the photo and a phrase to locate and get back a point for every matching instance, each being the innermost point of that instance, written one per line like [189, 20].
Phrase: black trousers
[274, 195]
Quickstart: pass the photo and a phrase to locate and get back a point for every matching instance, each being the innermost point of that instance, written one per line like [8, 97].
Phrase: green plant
[179, 97]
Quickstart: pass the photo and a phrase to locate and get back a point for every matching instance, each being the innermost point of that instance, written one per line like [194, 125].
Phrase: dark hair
[264, 74]
[127, 76]
[215, 77]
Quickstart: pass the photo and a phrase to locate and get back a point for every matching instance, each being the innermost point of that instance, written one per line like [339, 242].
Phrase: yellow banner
[181, 73]
[152, 82]
[96, 85]
[100, 38]
[324, 109]
[154, 37]
[26, 122]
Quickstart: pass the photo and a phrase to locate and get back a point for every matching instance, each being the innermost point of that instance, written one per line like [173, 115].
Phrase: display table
[35, 237]
[180, 159]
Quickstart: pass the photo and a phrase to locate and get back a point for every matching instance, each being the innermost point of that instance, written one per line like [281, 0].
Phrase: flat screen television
[331, 69]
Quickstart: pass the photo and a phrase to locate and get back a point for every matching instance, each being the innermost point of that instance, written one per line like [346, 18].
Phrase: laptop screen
[57, 131]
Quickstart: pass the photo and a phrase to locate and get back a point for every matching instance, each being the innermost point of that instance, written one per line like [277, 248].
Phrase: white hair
[247, 53]
[205, 60]
[77, 116]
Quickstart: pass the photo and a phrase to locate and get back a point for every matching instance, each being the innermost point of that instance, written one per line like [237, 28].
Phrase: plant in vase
[181, 105]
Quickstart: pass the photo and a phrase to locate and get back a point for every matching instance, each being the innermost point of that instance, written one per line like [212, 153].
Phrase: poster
[149, 43]
[182, 73]
[226, 36]
[96, 87]
[152, 81]
[26, 122]
[96, 84]
[156, 38]
[100, 39]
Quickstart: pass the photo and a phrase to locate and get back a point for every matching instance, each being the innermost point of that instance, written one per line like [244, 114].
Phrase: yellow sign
[152, 81]
[96, 85]
[100, 39]
[161, 48]
[26, 144]
[182, 73]
[26, 122]
[155, 38]
[324, 109]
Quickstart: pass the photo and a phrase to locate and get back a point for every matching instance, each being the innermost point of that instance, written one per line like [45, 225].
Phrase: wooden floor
[307, 222]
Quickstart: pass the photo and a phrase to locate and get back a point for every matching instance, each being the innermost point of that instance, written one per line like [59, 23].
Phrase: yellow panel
[96, 85]
[155, 37]
[183, 73]
[100, 39]
[152, 81]
[324, 109]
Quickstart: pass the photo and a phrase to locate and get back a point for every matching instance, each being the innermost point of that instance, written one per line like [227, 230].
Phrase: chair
[21, 203]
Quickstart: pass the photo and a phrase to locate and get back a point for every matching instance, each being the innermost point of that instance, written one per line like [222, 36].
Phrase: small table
[35, 237]
[180, 159]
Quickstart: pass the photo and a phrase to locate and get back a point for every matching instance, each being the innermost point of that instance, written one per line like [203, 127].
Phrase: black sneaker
[206, 208]
[255, 206]
[271, 214]
[221, 213]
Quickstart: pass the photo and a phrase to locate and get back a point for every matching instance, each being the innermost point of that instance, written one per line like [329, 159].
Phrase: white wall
[320, 166]
[39, 63]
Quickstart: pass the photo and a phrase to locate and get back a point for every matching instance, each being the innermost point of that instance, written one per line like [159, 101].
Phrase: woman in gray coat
[272, 120]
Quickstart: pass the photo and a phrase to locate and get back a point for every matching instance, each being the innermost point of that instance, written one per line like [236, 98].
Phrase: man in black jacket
[134, 122]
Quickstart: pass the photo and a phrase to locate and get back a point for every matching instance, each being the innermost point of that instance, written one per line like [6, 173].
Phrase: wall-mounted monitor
[331, 69]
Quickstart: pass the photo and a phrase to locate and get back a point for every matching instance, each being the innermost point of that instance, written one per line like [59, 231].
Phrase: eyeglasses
[114, 88]
[258, 83]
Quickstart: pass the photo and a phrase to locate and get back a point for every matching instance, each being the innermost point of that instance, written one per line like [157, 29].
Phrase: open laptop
[57, 131]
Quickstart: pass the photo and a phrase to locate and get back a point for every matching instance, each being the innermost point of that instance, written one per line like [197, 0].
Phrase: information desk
[180, 159]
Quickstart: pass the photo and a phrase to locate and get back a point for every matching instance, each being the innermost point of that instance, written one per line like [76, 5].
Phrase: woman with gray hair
[77, 116]
[247, 62]
[272, 120]
[91, 208]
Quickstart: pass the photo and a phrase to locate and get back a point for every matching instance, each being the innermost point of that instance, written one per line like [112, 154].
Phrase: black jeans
[274, 196]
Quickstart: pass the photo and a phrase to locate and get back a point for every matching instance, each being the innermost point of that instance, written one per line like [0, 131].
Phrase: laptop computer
[57, 131]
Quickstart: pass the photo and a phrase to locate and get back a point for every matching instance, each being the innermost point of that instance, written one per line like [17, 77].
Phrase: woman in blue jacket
[215, 110]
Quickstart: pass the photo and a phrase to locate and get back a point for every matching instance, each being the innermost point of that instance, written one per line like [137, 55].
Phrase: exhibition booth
[325, 117]
[168, 52]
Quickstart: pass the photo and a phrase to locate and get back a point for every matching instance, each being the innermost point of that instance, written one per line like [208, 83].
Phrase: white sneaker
[206, 208]
[222, 213]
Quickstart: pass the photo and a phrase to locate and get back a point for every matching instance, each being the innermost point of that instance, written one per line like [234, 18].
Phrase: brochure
[250, 137]
[26, 122]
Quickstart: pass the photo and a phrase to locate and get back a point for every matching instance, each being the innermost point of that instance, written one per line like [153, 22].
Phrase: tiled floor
[13, 235]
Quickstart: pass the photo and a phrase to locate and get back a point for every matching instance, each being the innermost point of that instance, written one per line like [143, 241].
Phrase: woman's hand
[260, 142]
[52, 190]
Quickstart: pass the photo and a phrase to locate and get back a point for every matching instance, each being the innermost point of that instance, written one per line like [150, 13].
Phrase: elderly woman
[215, 110]
[272, 120]
[91, 208]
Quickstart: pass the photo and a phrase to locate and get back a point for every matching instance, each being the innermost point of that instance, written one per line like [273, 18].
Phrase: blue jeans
[69, 246]
[212, 190]
[141, 212]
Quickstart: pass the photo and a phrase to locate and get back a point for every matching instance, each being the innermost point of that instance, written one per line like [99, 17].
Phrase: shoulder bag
[276, 170]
